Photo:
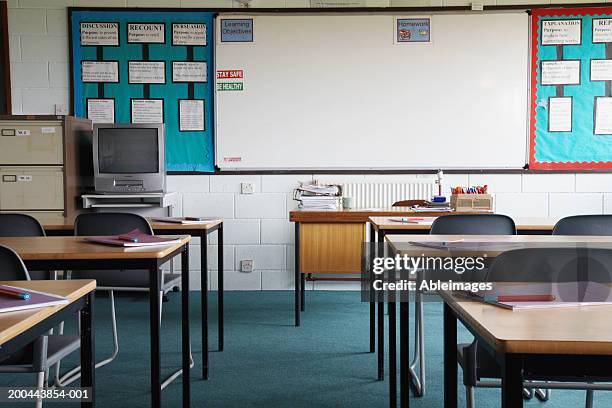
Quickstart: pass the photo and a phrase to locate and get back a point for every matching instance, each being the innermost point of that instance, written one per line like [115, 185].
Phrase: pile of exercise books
[318, 197]
[433, 206]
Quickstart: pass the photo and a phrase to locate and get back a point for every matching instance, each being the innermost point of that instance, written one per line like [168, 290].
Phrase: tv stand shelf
[158, 200]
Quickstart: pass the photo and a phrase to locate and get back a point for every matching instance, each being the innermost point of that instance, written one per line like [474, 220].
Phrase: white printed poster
[191, 115]
[188, 71]
[100, 71]
[603, 115]
[561, 32]
[564, 72]
[560, 114]
[602, 30]
[601, 70]
[146, 33]
[99, 34]
[101, 110]
[189, 34]
[147, 110]
[147, 72]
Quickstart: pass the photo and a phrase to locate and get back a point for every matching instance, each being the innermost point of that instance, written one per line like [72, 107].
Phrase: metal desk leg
[303, 292]
[392, 356]
[186, 349]
[512, 382]
[297, 282]
[220, 284]
[380, 252]
[154, 324]
[450, 358]
[204, 302]
[404, 374]
[88, 350]
[372, 304]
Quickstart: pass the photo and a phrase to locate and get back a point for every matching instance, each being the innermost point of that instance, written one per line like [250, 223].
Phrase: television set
[129, 158]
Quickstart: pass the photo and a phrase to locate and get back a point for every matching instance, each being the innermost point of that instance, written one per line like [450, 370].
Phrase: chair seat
[486, 365]
[58, 347]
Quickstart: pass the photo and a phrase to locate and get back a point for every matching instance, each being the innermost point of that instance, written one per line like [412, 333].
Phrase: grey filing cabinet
[45, 164]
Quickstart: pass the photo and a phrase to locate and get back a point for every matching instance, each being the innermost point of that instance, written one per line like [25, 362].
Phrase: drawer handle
[9, 178]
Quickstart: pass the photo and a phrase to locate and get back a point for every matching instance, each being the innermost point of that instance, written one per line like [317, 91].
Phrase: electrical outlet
[60, 109]
[247, 188]
[246, 265]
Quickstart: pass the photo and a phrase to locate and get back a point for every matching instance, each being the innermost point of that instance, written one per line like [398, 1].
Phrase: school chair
[46, 351]
[23, 225]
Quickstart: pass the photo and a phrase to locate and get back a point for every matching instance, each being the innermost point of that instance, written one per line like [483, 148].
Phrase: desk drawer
[331, 247]
[23, 143]
[31, 188]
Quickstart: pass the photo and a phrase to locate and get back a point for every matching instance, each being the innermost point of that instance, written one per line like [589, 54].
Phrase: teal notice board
[148, 66]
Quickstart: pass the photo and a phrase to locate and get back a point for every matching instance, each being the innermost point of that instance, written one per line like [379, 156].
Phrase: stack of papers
[187, 220]
[315, 197]
[319, 203]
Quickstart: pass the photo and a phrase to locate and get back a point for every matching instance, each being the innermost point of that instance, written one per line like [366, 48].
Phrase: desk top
[571, 330]
[13, 324]
[402, 245]
[361, 215]
[76, 248]
[522, 224]
[67, 224]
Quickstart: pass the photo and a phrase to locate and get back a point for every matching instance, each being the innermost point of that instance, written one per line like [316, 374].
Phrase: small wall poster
[191, 115]
[603, 115]
[101, 110]
[99, 34]
[189, 71]
[189, 34]
[560, 114]
[146, 33]
[562, 32]
[564, 72]
[236, 30]
[413, 30]
[100, 71]
[147, 110]
[147, 72]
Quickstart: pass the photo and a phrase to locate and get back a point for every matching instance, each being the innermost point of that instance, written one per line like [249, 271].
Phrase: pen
[14, 293]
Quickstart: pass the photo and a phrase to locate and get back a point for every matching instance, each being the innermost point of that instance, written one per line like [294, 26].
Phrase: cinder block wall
[257, 225]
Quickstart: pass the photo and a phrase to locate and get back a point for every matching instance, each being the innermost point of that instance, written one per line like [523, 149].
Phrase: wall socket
[246, 265]
[247, 188]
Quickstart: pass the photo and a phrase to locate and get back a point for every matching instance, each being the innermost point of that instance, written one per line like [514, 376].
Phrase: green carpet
[267, 361]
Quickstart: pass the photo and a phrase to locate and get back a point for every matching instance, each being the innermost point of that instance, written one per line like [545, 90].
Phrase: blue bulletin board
[571, 89]
[148, 66]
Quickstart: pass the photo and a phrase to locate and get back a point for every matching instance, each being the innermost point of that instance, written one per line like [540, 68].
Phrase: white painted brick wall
[257, 225]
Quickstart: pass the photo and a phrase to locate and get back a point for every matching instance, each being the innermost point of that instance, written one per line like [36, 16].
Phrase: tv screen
[128, 150]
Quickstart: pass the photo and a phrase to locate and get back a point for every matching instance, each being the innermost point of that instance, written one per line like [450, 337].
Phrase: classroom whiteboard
[337, 92]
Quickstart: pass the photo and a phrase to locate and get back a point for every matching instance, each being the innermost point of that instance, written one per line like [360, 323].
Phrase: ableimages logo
[411, 264]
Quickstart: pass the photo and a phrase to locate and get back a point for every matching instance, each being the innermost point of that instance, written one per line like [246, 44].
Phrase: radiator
[379, 195]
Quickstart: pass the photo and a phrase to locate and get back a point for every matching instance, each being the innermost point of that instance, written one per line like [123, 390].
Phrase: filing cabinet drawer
[31, 142]
[31, 188]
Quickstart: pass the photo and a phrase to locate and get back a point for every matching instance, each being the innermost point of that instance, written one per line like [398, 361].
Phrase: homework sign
[413, 30]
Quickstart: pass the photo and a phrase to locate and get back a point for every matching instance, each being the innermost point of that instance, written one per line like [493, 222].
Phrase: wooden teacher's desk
[66, 227]
[74, 253]
[18, 329]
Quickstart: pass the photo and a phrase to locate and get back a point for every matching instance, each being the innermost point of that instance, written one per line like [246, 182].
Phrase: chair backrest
[560, 264]
[408, 203]
[584, 225]
[110, 224]
[20, 225]
[473, 224]
[11, 265]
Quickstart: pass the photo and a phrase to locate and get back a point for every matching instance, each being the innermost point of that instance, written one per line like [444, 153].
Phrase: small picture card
[236, 30]
[413, 30]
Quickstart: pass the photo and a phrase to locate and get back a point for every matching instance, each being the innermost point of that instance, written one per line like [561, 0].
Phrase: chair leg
[75, 373]
[589, 399]
[469, 396]
[418, 380]
[40, 385]
[542, 395]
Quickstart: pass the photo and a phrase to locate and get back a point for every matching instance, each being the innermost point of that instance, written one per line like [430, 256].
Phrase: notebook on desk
[187, 220]
[35, 300]
[133, 238]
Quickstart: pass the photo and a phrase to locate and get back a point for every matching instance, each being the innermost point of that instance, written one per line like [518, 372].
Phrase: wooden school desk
[66, 227]
[18, 329]
[570, 342]
[401, 245]
[74, 253]
[381, 226]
